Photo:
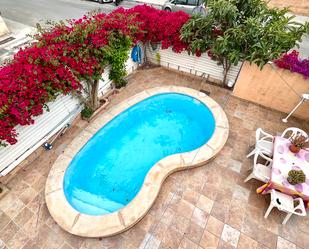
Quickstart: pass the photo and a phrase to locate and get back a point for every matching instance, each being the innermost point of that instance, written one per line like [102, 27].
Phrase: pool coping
[114, 223]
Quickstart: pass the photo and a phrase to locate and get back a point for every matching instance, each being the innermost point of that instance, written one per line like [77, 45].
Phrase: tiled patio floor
[204, 208]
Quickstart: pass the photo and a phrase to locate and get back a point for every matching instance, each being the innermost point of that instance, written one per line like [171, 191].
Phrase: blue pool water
[108, 172]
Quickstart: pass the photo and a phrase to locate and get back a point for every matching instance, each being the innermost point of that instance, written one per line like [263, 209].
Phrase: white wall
[200, 66]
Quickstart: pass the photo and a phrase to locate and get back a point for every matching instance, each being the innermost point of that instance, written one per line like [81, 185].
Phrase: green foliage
[87, 112]
[117, 53]
[296, 177]
[238, 30]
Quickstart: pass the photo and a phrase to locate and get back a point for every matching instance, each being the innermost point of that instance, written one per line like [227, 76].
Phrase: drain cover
[6, 40]
[206, 92]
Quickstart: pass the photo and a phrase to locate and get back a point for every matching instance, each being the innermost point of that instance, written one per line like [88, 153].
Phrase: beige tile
[266, 237]
[18, 241]
[4, 220]
[16, 206]
[246, 242]
[185, 209]
[209, 241]
[284, 244]
[220, 210]
[66, 246]
[168, 216]
[191, 196]
[172, 238]
[230, 235]
[160, 230]
[180, 223]
[28, 195]
[205, 203]
[199, 217]
[8, 232]
[188, 244]
[150, 242]
[194, 232]
[23, 217]
[214, 226]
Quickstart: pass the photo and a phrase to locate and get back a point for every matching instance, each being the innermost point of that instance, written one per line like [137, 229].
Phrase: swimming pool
[96, 188]
[110, 169]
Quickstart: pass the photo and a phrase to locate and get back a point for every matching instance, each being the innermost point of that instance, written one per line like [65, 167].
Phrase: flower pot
[294, 149]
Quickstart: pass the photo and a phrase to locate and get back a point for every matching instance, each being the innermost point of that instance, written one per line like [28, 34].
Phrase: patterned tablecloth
[284, 161]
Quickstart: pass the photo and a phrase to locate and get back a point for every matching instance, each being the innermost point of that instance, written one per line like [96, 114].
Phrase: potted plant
[298, 142]
[296, 177]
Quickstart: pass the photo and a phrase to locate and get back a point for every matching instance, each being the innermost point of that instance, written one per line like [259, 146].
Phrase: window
[192, 2]
[182, 2]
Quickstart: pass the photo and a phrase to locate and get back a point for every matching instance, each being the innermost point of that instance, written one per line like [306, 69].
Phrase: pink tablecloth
[284, 161]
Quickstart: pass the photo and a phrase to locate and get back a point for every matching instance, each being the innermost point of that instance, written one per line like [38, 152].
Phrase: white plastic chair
[260, 171]
[286, 204]
[264, 143]
[294, 132]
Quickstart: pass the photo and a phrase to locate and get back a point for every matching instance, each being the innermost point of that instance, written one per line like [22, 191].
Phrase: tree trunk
[94, 95]
[226, 67]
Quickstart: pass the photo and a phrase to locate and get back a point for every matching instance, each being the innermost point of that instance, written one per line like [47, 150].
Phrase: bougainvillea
[292, 62]
[66, 54]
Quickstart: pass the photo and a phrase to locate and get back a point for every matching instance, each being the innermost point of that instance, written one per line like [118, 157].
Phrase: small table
[284, 161]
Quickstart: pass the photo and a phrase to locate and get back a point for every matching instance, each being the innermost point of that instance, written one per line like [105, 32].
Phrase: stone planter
[103, 106]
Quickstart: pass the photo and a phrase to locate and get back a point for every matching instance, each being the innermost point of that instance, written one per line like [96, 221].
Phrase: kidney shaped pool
[108, 172]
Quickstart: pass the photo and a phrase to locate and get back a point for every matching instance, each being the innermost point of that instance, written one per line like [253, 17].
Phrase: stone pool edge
[111, 224]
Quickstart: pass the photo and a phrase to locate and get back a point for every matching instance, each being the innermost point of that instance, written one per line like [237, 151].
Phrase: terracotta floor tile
[8, 232]
[236, 213]
[147, 223]
[160, 230]
[180, 223]
[28, 195]
[230, 235]
[172, 238]
[18, 241]
[66, 246]
[30, 244]
[220, 211]
[214, 226]
[199, 217]
[225, 245]
[135, 235]
[250, 228]
[246, 242]
[23, 217]
[185, 209]
[189, 202]
[188, 244]
[16, 206]
[266, 238]
[205, 203]
[150, 242]
[194, 232]
[285, 244]
[4, 220]
[191, 196]
[209, 241]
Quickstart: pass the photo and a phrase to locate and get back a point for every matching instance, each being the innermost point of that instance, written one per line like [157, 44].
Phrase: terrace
[203, 208]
